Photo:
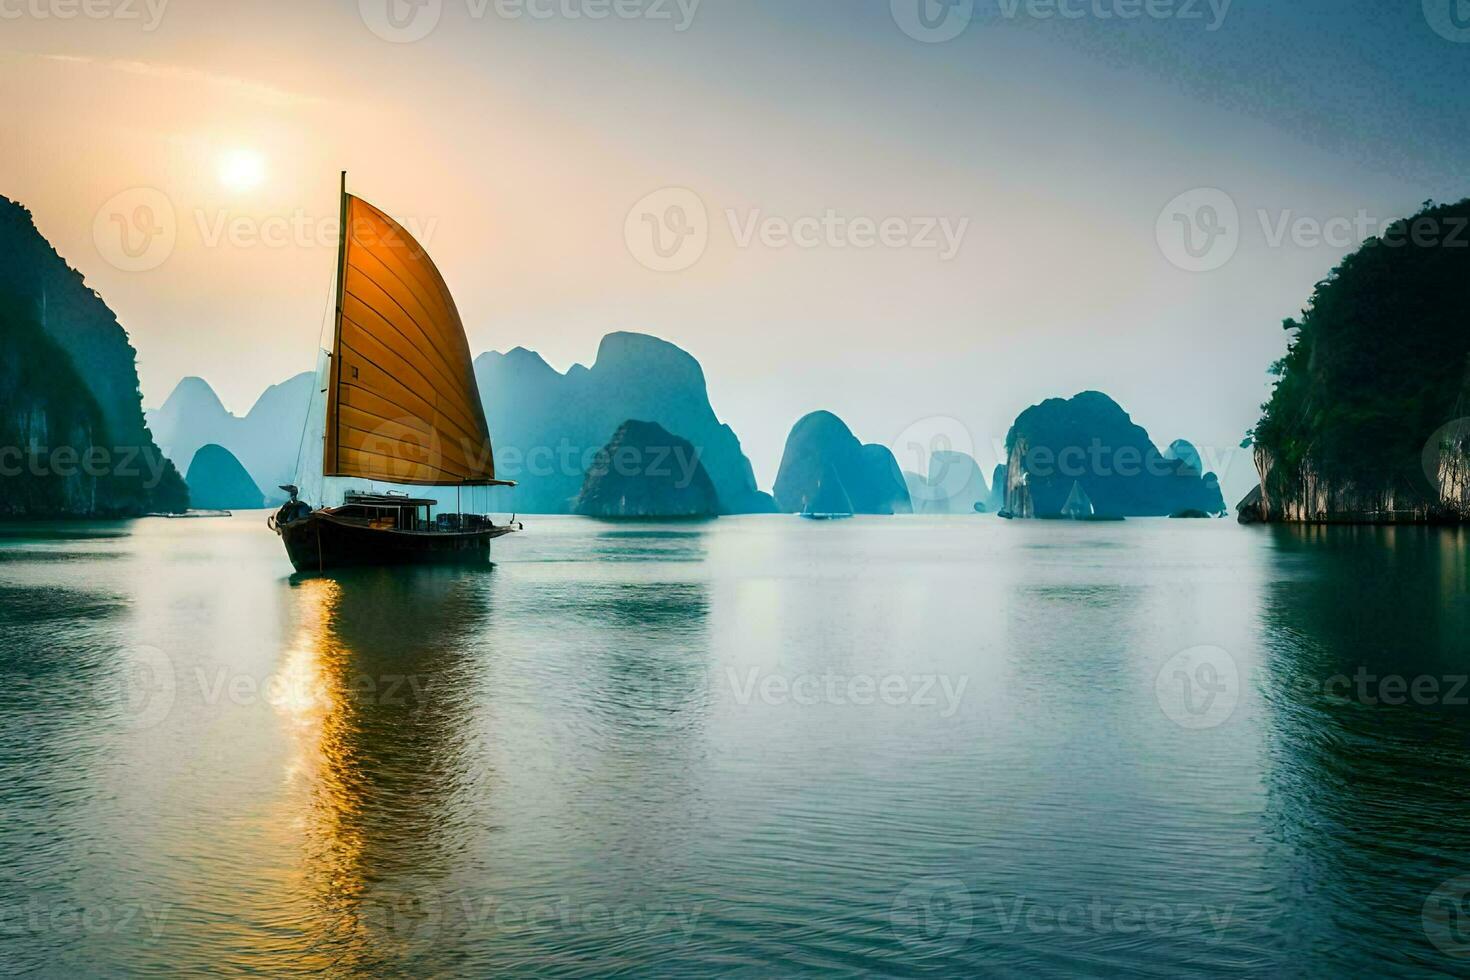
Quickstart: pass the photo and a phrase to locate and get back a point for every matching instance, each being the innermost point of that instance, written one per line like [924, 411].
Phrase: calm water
[762, 745]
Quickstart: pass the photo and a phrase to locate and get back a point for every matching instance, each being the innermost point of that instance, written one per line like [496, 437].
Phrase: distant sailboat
[830, 502]
[1078, 506]
[402, 407]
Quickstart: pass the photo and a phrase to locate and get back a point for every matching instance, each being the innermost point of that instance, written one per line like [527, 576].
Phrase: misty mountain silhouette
[1089, 443]
[217, 481]
[264, 441]
[821, 444]
[955, 484]
[647, 472]
[548, 426]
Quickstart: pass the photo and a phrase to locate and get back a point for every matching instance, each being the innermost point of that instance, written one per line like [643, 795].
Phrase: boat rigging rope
[320, 337]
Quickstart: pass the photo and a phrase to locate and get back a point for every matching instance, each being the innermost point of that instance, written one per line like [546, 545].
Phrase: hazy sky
[828, 144]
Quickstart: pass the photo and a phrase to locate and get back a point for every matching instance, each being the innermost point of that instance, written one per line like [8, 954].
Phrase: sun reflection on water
[312, 699]
[370, 696]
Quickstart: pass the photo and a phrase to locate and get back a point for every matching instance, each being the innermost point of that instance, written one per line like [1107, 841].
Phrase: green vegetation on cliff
[1377, 364]
[73, 441]
[56, 459]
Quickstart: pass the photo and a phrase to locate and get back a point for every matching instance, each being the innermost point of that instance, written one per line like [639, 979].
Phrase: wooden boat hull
[318, 542]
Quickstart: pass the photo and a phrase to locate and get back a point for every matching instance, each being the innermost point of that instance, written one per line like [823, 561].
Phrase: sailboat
[830, 502]
[402, 408]
[1078, 506]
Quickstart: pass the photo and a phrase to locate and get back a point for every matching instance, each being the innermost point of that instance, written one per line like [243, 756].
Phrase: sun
[241, 170]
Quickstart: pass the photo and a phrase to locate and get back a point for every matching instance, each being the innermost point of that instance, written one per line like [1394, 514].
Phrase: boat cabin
[399, 512]
[388, 511]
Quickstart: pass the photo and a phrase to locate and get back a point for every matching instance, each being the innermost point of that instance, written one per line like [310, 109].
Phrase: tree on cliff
[1377, 363]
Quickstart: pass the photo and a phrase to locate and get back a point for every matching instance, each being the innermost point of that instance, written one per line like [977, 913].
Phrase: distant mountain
[647, 472]
[69, 401]
[954, 485]
[265, 441]
[192, 416]
[547, 427]
[217, 481]
[1089, 444]
[918, 488]
[821, 444]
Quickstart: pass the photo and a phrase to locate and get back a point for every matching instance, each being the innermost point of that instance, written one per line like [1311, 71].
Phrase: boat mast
[334, 374]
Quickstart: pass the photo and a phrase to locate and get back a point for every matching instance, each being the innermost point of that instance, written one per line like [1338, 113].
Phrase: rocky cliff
[996, 502]
[547, 427]
[1302, 493]
[1088, 441]
[1369, 421]
[820, 444]
[73, 442]
[645, 471]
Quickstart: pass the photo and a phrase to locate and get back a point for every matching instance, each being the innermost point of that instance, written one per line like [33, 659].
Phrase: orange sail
[402, 402]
